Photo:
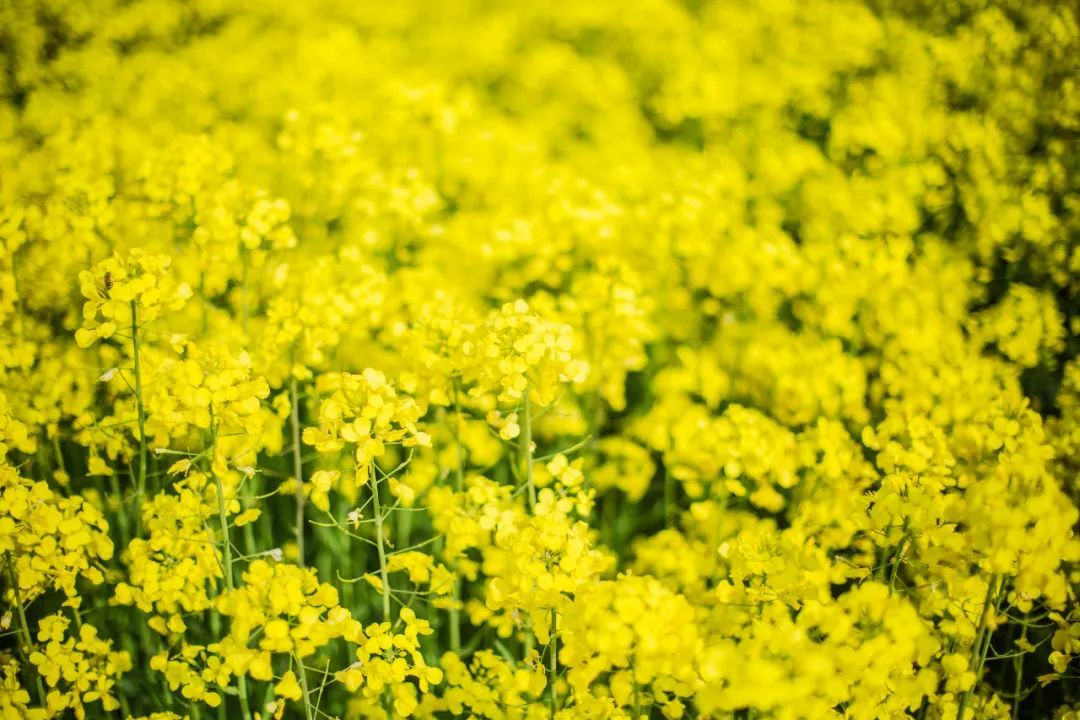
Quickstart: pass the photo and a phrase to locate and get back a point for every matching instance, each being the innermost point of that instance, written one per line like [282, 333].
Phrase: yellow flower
[288, 687]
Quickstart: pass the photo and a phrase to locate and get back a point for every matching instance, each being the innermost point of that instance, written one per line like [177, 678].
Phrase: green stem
[1018, 668]
[455, 616]
[527, 449]
[203, 305]
[125, 708]
[247, 499]
[896, 563]
[140, 486]
[404, 529]
[380, 543]
[20, 318]
[122, 521]
[244, 293]
[303, 685]
[980, 646]
[298, 467]
[669, 499]
[553, 652]
[530, 483]
[247, 493]
[459, 486]
[24, 627]
[459, 471]
[226, 556]
[529, 639]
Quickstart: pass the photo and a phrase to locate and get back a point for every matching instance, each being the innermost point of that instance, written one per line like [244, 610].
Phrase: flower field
[539, 361]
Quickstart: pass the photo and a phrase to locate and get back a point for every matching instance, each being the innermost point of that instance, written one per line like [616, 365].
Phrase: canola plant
[503, 360]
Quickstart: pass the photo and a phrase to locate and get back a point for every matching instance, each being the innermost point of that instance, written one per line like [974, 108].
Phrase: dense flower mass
[539, 361]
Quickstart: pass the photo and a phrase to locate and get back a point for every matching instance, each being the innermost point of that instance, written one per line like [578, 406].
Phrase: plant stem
[246, 492]
[459, 486]
[141, 482]
[527, 449]
[1018, 668]
[121, 516]
[19, 318]
[247, 500]
[980, 646]
[459, 471]
[896, 563]
[379, 540]
[298, 467]
[530, 483]
[669, 499]
[24, 627]
[244, 293]
[203, 304]
[404, 529]
[553, 651]
[529, 640]
[226, 555]
[303, 685]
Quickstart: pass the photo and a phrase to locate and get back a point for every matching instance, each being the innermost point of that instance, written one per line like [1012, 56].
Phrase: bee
[107, 283]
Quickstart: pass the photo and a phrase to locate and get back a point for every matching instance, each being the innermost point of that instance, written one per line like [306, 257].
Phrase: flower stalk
[140, 486]
[302, 672]
[298, 467]
[380, 542]
[982, 643]
[459, 486]
[226, 555]
[526, 429]
[24, 627]
[553, 660]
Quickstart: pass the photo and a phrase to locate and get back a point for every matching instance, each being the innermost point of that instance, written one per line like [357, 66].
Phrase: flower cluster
[123, 291]
[49, 540]
[489, 686]
[385, 659]
[173, 571]
[77, 670]
[294, 615]
[638, 635]
[536, 565]
[366, 412]
[518, 353]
